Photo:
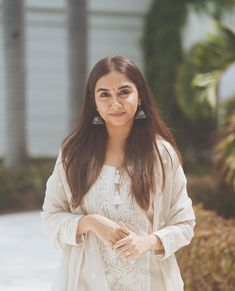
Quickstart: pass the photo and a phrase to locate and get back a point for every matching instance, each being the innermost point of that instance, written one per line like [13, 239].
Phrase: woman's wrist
[155, 244]
[86, 224]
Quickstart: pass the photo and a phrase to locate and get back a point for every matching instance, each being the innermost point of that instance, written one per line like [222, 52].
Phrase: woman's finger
[130, 255]
[121, 242]
[122, 233]
[124, 228]
[116, 237]
[122, 250]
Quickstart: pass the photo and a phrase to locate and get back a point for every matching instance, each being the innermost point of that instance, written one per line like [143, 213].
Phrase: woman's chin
[119, 122]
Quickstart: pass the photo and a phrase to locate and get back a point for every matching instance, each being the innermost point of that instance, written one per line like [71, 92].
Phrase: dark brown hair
[84, 149]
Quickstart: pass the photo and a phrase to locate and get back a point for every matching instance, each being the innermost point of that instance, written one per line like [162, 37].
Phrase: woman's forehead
[113, 81]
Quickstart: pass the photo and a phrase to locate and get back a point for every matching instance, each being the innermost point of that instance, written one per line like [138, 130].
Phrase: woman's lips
[117, 114]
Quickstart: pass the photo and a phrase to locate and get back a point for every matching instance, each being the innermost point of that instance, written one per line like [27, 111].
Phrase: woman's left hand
[133, 245]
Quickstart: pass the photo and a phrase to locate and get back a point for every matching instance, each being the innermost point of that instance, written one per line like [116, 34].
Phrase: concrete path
[27, 261]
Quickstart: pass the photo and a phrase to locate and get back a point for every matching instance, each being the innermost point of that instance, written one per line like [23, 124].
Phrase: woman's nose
[115, 102]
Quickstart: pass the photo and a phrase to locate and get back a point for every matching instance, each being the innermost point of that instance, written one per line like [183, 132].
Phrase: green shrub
[23, 188]
[163, 55]
[224, 151]
[208, 263]
[204, 189]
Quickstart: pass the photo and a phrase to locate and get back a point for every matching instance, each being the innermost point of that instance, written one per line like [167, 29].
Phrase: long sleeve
[180, 219]
[59, 224]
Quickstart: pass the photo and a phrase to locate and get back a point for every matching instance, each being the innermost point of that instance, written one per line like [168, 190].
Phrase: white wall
[47, 111]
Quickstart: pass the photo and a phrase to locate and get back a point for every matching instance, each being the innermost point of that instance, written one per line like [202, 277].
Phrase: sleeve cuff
[167, 241]
[68, 234]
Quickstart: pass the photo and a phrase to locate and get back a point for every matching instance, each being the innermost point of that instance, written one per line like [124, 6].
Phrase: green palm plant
[199, 76]
[197, 89]
[163, 54]
[224, 151]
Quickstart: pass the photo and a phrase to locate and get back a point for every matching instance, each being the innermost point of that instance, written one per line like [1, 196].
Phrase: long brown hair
[84, 149]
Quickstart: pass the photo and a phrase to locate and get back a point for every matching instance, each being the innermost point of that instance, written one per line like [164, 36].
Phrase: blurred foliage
[203, 188]
[163, 55]
[23, 188]
[196, 108]
[198, 97]
[201, 72]
[224, 152]
[207, 264]
[214, 8]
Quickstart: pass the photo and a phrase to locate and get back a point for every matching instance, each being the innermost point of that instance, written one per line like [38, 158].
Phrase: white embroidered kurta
[122, 274]
[89, 264]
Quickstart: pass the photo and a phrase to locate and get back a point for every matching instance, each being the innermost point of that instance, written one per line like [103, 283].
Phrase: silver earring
[97, 119]
[140, 114]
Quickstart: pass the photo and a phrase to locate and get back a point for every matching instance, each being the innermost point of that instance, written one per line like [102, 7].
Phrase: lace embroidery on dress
[121, 274]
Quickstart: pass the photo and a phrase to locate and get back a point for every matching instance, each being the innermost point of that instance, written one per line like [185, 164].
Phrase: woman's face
[116, 99]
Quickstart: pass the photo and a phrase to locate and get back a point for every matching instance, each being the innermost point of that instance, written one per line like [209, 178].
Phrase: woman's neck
[117, 138]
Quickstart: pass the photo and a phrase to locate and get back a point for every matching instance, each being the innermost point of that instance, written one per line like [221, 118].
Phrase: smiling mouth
[117, 114]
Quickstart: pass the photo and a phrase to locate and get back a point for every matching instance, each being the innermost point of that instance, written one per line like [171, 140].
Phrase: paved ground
[27, 261]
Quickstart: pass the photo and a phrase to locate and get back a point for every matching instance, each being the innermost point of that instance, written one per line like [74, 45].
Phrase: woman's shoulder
[58, 165]
[166, 150]
[59, 158]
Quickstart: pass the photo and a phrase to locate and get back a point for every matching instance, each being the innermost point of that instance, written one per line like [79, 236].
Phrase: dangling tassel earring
[140, 114]
[97, 119]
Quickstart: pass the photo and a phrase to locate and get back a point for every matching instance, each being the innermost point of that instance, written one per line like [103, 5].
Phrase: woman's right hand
[107, 230]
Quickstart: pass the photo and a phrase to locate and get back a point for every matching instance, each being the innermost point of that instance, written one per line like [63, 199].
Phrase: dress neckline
[110, 166]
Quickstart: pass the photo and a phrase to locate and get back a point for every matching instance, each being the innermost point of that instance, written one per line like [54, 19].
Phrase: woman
[116, 203]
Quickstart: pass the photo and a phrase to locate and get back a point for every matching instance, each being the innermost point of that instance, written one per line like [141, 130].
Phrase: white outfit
[90, 265]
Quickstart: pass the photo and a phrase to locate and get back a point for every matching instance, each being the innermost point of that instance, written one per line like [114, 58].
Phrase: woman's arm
[180, 220]
[155, 244]
[134, 245]
[85, 225]
[65, 228]
[59, 224]
[107, 230]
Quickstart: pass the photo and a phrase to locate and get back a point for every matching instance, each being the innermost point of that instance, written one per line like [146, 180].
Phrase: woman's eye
[104, 94]
[124, 92]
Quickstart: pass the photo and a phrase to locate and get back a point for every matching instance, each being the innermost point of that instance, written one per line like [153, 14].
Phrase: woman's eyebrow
[121, 87]
[102, 89]
[124, 86]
